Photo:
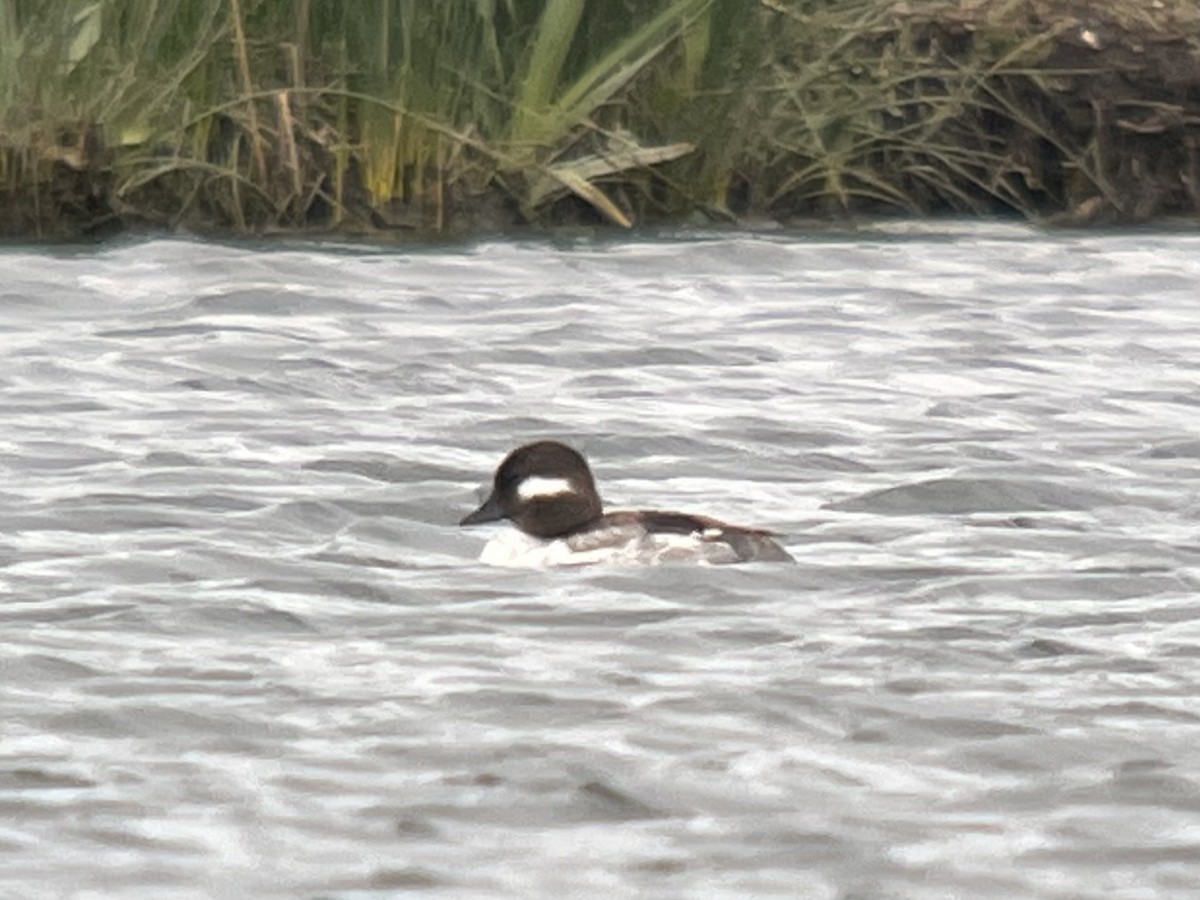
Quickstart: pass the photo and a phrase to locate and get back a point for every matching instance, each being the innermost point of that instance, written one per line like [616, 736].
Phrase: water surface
[246, 653]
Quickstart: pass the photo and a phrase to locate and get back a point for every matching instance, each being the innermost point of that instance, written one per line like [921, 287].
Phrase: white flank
[622, 546]
[535, 486]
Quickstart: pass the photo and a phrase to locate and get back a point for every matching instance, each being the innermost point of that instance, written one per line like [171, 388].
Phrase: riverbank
[233, 116]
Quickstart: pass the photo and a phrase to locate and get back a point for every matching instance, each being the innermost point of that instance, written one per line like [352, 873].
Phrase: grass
[387, 114]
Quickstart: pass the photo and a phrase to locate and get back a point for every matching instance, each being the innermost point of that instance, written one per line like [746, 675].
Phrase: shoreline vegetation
[405, 119]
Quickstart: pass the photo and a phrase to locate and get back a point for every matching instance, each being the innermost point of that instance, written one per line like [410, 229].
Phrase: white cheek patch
[536, 487]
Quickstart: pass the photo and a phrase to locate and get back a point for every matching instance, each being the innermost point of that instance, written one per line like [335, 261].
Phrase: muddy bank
[1104, 123]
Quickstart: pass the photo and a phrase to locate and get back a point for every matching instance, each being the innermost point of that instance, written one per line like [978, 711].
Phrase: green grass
[263, 114]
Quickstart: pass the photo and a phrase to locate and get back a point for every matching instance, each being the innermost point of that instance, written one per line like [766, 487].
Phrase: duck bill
[490, 511]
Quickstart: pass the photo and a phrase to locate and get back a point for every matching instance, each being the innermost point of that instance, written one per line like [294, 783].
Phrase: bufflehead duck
[546, 489]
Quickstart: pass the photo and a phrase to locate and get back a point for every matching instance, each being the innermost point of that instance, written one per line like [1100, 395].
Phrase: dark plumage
[547, 490]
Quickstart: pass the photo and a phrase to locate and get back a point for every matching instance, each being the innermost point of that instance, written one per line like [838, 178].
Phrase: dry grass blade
[578, 175]
[247, 84]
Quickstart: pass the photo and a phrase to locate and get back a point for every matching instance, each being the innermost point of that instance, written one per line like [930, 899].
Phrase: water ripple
[246, 652]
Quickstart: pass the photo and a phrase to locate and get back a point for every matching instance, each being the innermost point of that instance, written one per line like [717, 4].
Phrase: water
[246, 653]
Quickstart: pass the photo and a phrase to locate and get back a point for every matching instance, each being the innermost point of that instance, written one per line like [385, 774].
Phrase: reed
[262, 114]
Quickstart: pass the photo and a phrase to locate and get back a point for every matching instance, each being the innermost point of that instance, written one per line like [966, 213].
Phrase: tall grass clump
[402, 115]
[265, 113]
[809, 107]
[1018, 105]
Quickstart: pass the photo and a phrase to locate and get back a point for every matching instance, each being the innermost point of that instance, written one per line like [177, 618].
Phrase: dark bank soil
[1106, 127]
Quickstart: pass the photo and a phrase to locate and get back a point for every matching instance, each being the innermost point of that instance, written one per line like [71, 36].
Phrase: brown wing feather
[747, 543]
